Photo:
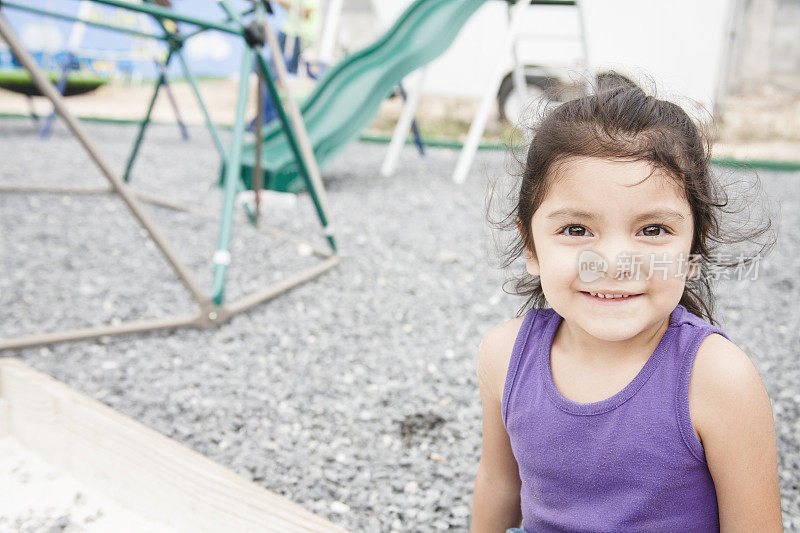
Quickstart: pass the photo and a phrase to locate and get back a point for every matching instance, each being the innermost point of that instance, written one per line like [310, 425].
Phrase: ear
[531, 263]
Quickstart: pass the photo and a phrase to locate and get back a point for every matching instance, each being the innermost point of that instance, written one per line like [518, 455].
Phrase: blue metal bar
[61, 87]
[174, 103]
[414, 129]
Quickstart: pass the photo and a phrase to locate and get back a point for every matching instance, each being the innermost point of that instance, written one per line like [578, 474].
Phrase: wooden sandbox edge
[136, 466]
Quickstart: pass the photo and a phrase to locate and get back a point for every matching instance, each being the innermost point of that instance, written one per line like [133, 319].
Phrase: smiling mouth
[611, 296]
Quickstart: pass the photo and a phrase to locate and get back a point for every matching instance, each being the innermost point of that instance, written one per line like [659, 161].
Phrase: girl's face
[602, 229]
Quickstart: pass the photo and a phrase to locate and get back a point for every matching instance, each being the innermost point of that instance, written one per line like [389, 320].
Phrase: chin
[614, 334]
[609, 326]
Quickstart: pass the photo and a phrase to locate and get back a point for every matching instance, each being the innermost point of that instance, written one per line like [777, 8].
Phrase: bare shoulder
[494, 354]
[723, 378]
[733, 414]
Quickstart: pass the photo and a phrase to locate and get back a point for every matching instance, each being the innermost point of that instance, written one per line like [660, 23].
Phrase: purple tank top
[631, 462]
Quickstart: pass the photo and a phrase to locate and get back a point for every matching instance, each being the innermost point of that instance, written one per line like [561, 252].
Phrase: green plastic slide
[347, 98]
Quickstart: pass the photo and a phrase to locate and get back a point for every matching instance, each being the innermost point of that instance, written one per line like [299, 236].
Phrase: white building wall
[679, 43]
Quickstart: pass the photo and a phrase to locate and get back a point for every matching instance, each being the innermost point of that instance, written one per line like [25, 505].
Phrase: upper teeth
[600, 295]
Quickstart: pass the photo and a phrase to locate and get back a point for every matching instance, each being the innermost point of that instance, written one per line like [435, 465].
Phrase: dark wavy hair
[618, 120]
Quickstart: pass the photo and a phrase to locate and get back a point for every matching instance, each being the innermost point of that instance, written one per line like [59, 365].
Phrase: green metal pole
[163, 12]
[64, 16]
[229, 11]
[209, 123]
[201, 30]
[251, 214]
[290, 135]
[143, 125]
[287, 126]
[232, 175]
[177, 45]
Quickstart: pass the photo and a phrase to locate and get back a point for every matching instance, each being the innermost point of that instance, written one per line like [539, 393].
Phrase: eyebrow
[654, 214]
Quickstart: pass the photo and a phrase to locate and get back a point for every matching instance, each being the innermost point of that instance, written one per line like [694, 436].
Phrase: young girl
[621, 407]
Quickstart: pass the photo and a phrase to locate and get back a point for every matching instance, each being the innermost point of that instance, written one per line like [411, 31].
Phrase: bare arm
[496, 498]
[738, 434]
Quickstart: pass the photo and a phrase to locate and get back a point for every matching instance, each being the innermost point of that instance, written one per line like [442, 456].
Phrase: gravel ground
[271, 393]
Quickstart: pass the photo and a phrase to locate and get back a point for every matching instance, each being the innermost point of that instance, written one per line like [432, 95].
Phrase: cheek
[559, 264]
[666, 268]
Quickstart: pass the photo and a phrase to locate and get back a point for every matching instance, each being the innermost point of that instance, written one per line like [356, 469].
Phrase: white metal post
[520, 82]
[735, 14]
[329, 28]
[403, 125]
[482, 115]
[587, 60]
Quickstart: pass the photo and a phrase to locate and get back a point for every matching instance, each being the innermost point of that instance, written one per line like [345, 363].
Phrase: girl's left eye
[656, 227]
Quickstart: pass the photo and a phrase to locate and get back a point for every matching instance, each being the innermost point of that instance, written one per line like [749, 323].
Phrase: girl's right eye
[571, 233]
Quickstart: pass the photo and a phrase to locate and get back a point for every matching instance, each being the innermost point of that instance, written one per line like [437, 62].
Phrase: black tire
[30, 89]
[507, 87]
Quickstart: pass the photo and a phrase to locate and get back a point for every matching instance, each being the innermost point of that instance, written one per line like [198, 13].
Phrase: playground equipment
[287, 156]
[349, 94]
[518, 77]
[292, 47]
[513, 89]
[20, 81]
[74, 72]
[212, 308]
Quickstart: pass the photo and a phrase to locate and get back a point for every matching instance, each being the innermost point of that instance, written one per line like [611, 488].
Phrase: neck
[585, 348]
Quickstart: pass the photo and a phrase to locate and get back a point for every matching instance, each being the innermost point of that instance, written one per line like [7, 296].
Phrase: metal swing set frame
[256, 35]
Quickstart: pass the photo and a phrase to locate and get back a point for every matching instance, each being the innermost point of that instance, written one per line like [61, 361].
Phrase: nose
[625, 262]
